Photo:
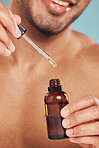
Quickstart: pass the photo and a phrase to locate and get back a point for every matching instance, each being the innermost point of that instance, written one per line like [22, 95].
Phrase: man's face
[52, 16]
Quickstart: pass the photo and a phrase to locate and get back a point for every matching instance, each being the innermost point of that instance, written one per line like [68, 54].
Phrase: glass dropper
[41, 51]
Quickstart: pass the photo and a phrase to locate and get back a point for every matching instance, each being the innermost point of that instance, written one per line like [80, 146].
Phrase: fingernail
[12, 47]
[18, 32]
[65, 112]
[8, 52]
[69, 132]
[66, 122]
[72, 139]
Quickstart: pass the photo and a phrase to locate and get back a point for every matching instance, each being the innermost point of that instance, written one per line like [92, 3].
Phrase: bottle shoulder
[55, 93]
[59, 96]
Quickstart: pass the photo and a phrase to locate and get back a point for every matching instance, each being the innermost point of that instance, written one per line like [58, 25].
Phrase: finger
[79, 117]
[86, 145]
[3, 50]
[77, 105]
[94, 140]
[17, 18]
[5, 39]
[8, 21]
[87, 129]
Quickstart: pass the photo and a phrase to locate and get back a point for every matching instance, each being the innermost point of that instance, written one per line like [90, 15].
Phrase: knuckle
[8, 10]
[95, 139]
[76, 118]
[2, 45]
[5, 38]
[4, 9]
[10, 15]
[12, 21]
[97, 127]
[8, 41]
[12, 25]
[6, 15]
[2, 48]
[77, 130]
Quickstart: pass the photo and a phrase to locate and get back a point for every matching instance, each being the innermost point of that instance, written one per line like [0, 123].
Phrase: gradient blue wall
[87, 23]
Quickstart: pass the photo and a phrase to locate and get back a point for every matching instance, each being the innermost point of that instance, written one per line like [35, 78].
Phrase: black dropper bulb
[22, 29]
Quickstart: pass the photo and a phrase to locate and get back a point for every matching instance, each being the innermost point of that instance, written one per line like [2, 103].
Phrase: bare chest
[22, 104]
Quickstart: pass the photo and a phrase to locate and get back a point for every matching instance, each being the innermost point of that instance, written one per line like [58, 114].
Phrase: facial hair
[48, 23]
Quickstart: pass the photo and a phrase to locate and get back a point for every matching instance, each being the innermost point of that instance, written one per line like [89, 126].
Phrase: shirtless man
[24, 75]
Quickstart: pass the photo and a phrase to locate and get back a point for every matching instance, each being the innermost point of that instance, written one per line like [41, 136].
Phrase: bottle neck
[55, 89]
[54, 85]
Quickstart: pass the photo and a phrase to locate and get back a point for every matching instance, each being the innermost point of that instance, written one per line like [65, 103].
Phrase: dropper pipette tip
[52, 62]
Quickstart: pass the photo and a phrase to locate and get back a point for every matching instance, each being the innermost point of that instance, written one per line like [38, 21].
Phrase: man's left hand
[81, 120]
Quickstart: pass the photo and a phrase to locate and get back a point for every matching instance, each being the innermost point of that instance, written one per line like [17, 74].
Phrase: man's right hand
[8, 23]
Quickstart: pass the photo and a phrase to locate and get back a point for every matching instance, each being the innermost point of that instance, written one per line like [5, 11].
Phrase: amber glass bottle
[55, 100]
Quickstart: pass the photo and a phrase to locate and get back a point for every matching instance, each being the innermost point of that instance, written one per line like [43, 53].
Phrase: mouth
[59, 7]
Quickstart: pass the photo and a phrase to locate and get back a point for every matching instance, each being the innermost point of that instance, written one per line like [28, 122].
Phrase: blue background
[87, 23]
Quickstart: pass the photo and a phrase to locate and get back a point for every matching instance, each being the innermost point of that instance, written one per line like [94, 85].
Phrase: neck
[53, 45]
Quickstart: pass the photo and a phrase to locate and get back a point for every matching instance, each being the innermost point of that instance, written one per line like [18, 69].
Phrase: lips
[59, 6]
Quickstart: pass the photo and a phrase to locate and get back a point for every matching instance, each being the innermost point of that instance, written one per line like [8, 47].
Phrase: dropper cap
[22, 29]
[54, 85]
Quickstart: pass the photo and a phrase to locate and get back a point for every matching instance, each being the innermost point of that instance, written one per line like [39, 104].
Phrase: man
[24, 75]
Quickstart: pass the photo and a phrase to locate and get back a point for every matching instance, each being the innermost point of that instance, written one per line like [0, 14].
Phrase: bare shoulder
[90, 49]
[92, 52]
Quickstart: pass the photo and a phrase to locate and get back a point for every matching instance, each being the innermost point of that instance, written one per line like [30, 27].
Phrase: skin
[24, 77]
[81, 120]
